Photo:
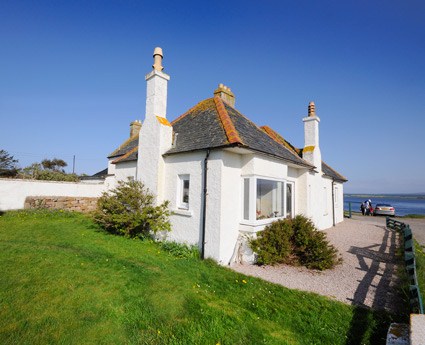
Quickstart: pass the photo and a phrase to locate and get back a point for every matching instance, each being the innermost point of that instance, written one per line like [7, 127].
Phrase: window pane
[186, 191]
[246, 198]
[289, 200]
[270, 199]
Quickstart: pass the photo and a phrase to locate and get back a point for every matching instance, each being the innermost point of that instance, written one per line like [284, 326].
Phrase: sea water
[404, 203]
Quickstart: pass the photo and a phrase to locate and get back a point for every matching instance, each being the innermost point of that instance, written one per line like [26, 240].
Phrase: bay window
[266, 199]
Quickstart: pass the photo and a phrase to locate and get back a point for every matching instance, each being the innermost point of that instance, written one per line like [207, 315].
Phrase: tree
[8, 165]
[54, 164]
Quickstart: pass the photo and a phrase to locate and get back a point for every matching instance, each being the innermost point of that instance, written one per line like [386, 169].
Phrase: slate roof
[127, 151]
[326, 169]
[213, 123]
[329, 172]
[99, 175]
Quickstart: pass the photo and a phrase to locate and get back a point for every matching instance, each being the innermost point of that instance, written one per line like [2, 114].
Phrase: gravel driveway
[366, 277]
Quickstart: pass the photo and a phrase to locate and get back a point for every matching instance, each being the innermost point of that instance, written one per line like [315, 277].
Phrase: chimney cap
[157, 59]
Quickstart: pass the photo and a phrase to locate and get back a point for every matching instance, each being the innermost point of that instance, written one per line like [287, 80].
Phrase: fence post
[349, 209]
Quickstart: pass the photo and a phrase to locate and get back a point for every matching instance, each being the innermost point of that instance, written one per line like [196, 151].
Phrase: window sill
[182, 212]
[259, 222]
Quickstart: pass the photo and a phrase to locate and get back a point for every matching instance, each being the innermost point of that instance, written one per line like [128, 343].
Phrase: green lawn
[63, 281]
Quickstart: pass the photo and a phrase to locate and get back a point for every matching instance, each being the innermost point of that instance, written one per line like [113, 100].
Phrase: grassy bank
[420, 268]
[65, 281]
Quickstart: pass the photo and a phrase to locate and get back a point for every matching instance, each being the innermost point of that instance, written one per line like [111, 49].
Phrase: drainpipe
[333, 201]
[204, 208]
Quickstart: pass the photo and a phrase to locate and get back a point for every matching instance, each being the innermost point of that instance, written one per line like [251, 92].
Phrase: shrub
[295, 241]
[180, 250]
[129, 210]
[273, 245]
[35, 171]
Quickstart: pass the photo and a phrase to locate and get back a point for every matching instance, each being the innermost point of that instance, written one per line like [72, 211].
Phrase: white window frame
[292, 184]
[325, 201]
[181, 204]
[253, 200]
[336, 196]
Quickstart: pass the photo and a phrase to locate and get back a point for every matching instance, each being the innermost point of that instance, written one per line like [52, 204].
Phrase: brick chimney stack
[225, 94]
[135, 127]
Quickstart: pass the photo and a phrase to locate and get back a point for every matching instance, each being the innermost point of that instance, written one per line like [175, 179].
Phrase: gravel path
[366, 277]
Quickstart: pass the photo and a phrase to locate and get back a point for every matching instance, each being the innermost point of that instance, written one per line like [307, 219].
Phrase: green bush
[37, 172]
[273, 245]
[180, 250]
[129, 210]
[294, 241]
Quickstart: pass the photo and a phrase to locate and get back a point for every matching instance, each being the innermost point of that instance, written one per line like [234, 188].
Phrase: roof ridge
[228, 126]
[189, 111]
[119, 159]
[275, 136]
[280, 139]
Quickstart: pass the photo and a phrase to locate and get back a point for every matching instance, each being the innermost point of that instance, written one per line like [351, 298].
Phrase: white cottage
[225, 177]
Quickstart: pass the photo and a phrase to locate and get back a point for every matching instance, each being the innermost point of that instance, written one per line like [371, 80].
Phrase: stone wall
[69, 203]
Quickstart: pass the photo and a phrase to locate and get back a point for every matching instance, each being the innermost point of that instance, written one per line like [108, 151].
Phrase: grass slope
[63, 281]
[420, 268]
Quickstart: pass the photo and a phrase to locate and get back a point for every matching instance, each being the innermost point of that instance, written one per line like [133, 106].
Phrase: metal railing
[416, 303]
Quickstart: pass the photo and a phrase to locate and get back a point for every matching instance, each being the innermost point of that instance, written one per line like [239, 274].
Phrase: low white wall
[14, 191]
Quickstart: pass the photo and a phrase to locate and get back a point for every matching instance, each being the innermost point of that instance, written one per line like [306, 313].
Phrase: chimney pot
[157, 59]
[311, 109]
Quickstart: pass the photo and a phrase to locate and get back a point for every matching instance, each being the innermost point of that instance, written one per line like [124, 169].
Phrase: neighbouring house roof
[213, 123]
[98, 176]
[127, 151]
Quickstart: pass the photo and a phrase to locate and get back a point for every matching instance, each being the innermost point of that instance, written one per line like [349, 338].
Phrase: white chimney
[156, 91]
[156, 133]
[311, 151]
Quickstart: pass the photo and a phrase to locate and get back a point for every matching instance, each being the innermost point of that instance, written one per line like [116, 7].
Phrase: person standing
[363, 208]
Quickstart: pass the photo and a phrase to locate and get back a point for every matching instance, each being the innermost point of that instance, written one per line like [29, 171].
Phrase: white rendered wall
[223, 201]
[124, 170]
[214, 215]
[315, 207]
[186, 224]
[14, 191]
[231, 204]
[111, 167]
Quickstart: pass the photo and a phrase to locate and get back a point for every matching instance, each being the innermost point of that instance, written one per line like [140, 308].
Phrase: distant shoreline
[419, 196]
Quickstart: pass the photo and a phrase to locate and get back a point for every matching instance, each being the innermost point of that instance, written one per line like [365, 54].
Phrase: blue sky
[72, 76]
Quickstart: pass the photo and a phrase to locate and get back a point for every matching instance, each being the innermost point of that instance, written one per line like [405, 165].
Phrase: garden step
[417, 329]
